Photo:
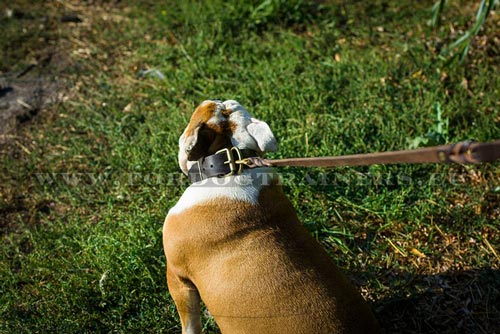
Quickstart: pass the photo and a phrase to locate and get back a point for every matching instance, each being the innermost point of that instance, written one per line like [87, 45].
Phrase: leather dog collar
[225, 162]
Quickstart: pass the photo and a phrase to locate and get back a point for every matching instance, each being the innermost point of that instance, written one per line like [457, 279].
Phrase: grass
[85, 185]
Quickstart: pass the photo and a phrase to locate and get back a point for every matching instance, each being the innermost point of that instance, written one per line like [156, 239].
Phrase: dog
[233, 240]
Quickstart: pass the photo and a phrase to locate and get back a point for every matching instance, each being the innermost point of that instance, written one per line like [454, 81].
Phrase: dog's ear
[197, 137]
[189, 139]
[194, 144]
[262, 134]
[185, 146]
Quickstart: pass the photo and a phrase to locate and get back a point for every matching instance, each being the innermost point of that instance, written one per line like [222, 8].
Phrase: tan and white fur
[239, 246]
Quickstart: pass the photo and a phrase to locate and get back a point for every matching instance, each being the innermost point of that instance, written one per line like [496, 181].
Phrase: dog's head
[215, 125]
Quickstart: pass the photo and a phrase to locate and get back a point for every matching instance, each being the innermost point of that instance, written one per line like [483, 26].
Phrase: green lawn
[86, 182]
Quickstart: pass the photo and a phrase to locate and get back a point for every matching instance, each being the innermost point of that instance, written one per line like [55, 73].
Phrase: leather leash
[463, 153]
[231, 161]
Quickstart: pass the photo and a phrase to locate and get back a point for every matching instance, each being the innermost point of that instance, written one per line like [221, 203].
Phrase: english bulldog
[233, 240]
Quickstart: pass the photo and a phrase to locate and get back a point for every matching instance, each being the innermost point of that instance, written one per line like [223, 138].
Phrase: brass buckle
[235, 165]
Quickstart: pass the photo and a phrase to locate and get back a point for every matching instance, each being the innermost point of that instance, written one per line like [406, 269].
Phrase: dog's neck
[223, 163]
[245, 187]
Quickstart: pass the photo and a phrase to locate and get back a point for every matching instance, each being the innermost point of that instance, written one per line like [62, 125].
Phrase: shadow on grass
[452, 302]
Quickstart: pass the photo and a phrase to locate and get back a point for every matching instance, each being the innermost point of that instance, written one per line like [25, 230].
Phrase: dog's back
[259, 271]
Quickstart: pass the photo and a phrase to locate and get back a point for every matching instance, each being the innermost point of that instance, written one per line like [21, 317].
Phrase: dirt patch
[22, 96]
[35, 55]
[40, 44]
